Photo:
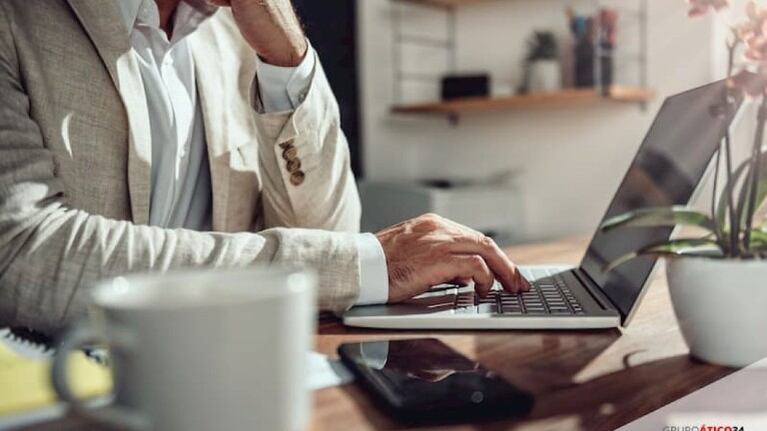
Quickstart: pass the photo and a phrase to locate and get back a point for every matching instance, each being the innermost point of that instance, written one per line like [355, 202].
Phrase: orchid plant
[729, 228]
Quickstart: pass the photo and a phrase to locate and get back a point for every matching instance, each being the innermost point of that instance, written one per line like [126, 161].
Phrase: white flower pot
[721, 306]
[545, 76]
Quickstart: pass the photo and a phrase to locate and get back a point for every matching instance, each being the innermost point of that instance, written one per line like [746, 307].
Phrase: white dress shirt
[181, 188]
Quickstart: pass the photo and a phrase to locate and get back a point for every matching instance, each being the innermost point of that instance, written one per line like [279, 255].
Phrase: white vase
[721, 306]
[545, 76]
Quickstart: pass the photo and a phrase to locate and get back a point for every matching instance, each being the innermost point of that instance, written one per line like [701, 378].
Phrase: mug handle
[75, 339]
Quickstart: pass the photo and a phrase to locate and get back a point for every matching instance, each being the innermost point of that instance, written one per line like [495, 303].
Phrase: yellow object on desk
[25, 380]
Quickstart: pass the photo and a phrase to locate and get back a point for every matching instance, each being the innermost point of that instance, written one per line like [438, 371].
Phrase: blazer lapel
[101, 21]
[211, 89]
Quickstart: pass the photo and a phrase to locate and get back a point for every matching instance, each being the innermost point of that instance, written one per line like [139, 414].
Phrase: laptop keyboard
[548, 295]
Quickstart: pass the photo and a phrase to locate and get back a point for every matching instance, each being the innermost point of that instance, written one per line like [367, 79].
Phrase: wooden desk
[582, 380]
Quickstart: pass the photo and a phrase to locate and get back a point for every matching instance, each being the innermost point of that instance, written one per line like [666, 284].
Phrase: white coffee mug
[200, 350]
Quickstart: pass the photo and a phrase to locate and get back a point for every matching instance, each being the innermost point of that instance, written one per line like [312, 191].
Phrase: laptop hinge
[594, 290]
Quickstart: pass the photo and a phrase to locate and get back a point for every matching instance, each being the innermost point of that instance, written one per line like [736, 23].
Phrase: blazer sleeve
[50, 252]
[304, 160]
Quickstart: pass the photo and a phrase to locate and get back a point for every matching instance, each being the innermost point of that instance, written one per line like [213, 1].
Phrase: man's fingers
[471, 267]
[460, 281]
[521, 281]
[470, 241]
[444, 251]
[528, 286]
[496, 259]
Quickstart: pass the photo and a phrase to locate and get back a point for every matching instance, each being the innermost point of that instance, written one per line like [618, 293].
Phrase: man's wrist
[291, 54]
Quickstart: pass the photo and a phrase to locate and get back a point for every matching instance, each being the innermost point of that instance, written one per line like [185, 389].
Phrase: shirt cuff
[284, 88]
[374, 277]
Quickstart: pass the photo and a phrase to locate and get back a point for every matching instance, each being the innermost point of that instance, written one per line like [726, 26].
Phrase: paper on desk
[325, 372]
[25, 376]
[737, 401]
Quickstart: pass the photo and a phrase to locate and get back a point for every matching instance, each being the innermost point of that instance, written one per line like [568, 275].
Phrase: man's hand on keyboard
[431, 250]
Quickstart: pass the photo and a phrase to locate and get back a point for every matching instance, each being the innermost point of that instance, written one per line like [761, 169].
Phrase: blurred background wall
[565, 162]
[562, 163]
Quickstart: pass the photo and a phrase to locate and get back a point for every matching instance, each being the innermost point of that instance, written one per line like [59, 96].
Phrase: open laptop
[666, 171]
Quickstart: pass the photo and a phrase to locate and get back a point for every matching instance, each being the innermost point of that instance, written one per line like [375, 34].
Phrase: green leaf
[661, 216]
[761, 188]
[676, 247]
[759, 239]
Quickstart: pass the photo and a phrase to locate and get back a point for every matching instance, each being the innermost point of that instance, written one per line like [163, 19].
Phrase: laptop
[666, 170]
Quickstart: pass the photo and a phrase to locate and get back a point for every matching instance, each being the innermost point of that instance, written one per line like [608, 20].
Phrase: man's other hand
[431, 250]
[271, 28]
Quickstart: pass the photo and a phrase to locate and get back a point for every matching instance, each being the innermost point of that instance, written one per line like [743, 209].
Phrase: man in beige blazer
[142, 135]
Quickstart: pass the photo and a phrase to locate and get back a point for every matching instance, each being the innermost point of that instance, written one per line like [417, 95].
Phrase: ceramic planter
[545, 76]
[721, 306]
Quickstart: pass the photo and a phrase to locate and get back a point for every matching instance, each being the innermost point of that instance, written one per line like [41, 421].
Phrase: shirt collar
[130, 9]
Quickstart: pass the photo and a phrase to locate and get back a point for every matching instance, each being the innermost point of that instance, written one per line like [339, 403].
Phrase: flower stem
[756, 161]
[717, 162]
[734, 221]
[734, 225]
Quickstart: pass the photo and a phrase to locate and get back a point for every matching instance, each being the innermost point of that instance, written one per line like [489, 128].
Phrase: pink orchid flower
[753, 32]
[701, 7]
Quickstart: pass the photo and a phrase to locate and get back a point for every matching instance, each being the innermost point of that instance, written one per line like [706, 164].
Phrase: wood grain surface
[582, 380]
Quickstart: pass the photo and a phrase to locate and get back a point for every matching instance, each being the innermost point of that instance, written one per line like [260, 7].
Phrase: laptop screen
[665, 171]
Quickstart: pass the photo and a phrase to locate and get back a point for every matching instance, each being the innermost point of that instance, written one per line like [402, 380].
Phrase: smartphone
[425, 381]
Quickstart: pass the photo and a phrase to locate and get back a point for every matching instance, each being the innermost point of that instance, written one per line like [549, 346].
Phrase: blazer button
[297, 178]
[286, 144]
[290, 153]
[294, 165]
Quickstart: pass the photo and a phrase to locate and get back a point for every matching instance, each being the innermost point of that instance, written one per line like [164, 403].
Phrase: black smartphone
[424, 380]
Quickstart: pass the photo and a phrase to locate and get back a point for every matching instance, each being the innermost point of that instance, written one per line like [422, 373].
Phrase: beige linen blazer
[75, 163]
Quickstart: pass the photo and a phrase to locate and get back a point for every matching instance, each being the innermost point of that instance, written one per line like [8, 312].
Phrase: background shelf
[636, 57]
[444, 3]
[567, 97]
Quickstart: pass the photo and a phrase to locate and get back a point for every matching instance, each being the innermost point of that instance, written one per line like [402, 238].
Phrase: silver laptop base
[442, 309]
